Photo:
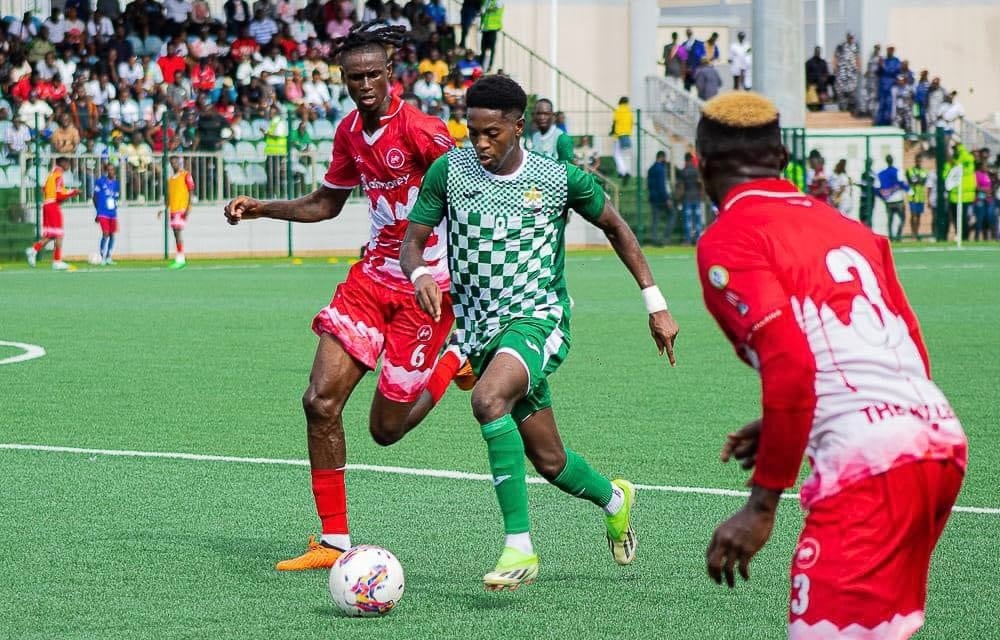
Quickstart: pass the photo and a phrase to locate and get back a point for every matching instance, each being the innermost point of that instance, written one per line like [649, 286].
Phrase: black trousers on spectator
[664, 219]
[489, 44]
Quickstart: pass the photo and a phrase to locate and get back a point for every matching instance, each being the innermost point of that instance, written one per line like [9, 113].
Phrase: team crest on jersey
[424, 333]
[807, 553]
[394, 158]
[533, 198]
[718, 276]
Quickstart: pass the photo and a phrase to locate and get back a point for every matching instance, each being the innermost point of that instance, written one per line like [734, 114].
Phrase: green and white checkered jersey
[506, 247]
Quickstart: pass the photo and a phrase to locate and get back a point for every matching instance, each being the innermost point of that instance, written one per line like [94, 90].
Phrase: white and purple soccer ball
[366, 581]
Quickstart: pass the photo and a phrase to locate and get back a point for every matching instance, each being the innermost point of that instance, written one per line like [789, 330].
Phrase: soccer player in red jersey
[54, 192]
[385, 146]
[812, 301]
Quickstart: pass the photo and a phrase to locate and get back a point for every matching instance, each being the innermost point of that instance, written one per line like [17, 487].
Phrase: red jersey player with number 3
[812, 301]
[385, 146]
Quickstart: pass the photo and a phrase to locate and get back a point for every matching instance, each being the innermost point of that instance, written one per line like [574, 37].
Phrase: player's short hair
[545, 100]
[499, 93]
[366, 35]
[740, 128]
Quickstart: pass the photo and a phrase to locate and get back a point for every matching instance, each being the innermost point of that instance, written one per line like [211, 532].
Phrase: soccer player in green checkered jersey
[507, 212]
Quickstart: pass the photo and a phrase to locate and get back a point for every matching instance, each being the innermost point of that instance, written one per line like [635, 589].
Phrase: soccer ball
[95, 258]
[366, 581]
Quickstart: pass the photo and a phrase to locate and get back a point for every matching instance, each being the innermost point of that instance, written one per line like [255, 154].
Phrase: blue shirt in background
[106, 195]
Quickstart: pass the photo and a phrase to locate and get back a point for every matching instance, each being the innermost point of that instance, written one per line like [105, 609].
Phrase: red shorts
[369, 318]
[108, 225]
[860, 568]
[52, 220]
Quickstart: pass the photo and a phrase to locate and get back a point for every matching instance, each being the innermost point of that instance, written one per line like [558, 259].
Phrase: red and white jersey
[390, 164]
[812, 301]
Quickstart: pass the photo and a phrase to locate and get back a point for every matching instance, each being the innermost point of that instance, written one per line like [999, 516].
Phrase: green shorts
[541, 346]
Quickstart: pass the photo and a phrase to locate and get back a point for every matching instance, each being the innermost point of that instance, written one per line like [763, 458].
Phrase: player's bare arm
[742, 445]
[411, 258]
[322, 204]
[737, 540]
[662, 325]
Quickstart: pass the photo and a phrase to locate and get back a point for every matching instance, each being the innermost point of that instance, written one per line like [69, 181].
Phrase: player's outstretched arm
[322, 204]
[662, 325]
[411, 261]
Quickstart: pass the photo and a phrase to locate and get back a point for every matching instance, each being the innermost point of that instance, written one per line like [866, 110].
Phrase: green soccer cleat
[621, 536]
[513, 569]
[177, 265]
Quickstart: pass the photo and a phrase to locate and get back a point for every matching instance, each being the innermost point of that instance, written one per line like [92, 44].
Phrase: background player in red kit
[812, 301]
[385, 146]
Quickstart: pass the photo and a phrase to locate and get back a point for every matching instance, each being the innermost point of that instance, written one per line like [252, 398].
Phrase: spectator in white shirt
[177, 13]
[130, 71]
[152, 74]
[35, 105]
[67, 67]
[316, 95]
[99, 26]
[101, 91]
[56, 26]
[24, 29]
[75, 29]
[244, 72]
[17, 137]
[274, 64]
[47, 68]
[396, 17]
[205, 46]
[301, 29]
[950, 112]
[427, 90]
[175, 45]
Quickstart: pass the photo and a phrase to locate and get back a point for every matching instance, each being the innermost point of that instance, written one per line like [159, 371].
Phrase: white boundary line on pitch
[404, 471]
[31, 351]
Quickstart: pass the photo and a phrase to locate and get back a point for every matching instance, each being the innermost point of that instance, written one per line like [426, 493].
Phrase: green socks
[579, 479]
[505, 449]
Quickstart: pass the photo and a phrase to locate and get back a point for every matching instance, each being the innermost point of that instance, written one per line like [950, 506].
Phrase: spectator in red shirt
[244, 46]
[203, 76]
[172, 63]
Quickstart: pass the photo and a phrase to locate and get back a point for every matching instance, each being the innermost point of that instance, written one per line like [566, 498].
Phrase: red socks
[444, 372]
[37, 246]
[331, 499]
[180, 247]
[57, 254]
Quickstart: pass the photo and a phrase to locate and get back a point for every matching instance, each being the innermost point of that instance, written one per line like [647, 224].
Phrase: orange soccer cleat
[465, 379]
[317, 556]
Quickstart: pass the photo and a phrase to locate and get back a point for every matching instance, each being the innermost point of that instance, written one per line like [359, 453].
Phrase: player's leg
[350, 341]
[32, 252]
[179, 241]
[567, 470]
[503, 382]
[111, 244]
[413, 377]
[57, 254]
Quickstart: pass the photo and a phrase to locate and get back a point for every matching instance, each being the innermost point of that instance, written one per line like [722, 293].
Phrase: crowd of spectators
[886, 89]
[152, 74]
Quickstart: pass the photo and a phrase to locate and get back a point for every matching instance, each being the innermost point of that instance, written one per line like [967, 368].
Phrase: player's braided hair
[364, 34]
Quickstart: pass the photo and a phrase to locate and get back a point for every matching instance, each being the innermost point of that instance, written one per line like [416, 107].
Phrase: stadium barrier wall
[141, 234]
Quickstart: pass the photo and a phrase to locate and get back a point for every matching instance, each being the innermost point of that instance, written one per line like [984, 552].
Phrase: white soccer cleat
[31, 255]
[60, 266]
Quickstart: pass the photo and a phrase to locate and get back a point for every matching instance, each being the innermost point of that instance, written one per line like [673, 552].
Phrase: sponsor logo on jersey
[395, 158]
[424, 333]
[380, 185]
[807, 553]
[718, 276]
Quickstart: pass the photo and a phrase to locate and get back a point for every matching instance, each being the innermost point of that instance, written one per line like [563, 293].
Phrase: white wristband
[419, 271]
[654, 300]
